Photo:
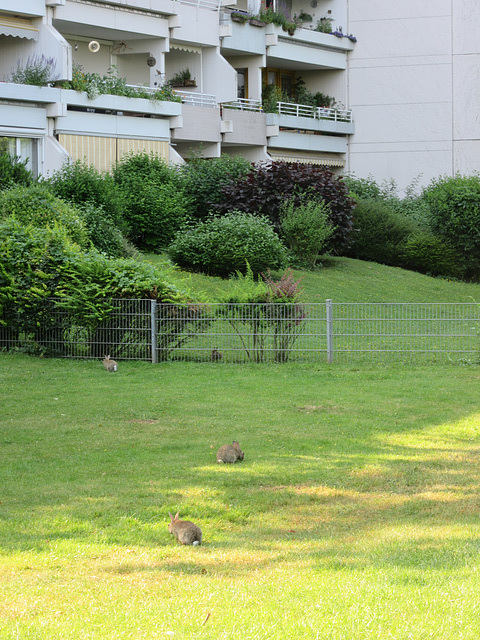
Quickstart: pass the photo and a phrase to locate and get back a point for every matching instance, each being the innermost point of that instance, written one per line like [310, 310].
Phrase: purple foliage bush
[266, 187]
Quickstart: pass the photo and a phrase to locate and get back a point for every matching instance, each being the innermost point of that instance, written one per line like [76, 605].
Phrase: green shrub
[79, 182]
[40, 263]
[203, 180]
[104, 235]
[155, 202]
[35, 205]
[454, 204]
[379, 232]
[224, 245]
[306, 228]
[13, 171]
[427, 253]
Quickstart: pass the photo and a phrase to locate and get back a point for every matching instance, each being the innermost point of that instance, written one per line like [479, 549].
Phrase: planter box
[257, 23]
[186, 83]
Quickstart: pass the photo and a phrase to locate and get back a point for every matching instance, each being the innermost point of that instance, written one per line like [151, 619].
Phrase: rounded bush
[454, 204]
[35, 205]
[427, 253]
[379, 232]
[224, 245]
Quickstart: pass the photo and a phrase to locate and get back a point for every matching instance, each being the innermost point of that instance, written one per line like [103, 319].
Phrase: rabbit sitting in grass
[230, 453]
[110, 365]
[184, 531]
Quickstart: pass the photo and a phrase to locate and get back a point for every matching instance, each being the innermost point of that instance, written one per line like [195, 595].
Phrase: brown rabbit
[184, 531]
[230, 453]
[110, 365]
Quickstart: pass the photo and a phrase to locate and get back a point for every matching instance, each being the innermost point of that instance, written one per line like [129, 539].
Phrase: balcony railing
[292, 109]
[197, 99]
[243, 104]
[319, 113]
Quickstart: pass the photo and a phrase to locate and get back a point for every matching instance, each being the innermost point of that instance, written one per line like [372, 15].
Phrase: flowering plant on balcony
[38, 71]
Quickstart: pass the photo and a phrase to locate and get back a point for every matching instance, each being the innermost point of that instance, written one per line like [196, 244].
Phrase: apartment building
[228, 56]
[406, 83]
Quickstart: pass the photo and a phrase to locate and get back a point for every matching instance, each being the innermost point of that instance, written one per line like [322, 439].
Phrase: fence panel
[300, 332]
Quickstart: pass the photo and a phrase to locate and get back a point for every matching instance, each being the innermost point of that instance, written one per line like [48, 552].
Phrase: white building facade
[414, 86]
[406, 92]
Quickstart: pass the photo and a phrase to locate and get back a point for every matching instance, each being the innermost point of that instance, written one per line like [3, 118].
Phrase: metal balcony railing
[197, 99]
[243, 104]
[319, 113]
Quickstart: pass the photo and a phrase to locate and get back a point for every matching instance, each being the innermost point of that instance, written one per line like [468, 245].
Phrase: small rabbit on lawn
[110, 365]
[230, 453]
[184, 531]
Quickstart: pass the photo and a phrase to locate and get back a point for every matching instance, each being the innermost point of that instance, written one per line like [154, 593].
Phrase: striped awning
[323, 159]
[17, 27]
[185, 47]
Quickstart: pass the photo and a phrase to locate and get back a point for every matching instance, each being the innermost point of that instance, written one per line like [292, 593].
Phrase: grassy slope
[348, 280]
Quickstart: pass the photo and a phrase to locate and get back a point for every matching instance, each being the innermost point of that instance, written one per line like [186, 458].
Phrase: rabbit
[230, 453]
[184, 531]
[216, 355]
[110, 365]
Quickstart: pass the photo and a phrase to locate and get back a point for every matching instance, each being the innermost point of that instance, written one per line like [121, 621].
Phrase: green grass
[348, 280]
[354, 514]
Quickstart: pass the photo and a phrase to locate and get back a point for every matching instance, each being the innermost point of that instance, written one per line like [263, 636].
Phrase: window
[23, 148]
[242, 83]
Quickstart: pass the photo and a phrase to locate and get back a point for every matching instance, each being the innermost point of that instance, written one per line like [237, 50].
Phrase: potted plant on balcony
[183, 79]
[240, 16]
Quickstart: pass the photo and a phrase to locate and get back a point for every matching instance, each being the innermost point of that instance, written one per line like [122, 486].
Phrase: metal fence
[302, 332]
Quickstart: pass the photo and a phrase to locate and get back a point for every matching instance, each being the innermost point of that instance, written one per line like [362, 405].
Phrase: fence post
[329, 331]
[153, 329]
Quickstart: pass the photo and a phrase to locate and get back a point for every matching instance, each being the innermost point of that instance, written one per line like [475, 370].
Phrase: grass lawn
[354, 515]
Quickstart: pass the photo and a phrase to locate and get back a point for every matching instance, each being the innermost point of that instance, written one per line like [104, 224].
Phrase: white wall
[400, 88]
[414, 87]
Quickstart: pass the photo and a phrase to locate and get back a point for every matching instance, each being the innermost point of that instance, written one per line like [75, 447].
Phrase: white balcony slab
[24, 7]
[247, 127]
[308, 142]
[200, 124]
[310, 124]
[98, 124]
[121, 103]
[306, 49]
[15, 116]
[243, 39]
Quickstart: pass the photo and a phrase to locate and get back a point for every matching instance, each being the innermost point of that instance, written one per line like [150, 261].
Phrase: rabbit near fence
[109, 364]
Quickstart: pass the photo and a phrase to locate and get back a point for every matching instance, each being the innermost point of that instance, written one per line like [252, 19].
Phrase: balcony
[315, 119]
[246, 123]
[241, 38]
[306, 49]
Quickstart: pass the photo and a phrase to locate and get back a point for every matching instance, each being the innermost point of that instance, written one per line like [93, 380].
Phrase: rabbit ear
[171, 517]
[176, 515]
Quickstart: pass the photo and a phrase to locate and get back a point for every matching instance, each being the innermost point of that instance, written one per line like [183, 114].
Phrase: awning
[307, 158]
[17, 27]
[185, 47]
